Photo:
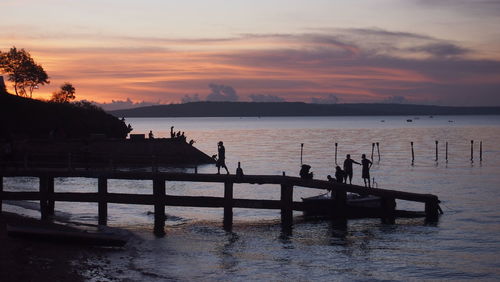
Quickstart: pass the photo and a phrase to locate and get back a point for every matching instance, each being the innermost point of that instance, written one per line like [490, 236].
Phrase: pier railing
[159, 199]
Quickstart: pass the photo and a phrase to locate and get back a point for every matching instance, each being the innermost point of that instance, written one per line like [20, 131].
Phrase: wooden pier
[159, 198]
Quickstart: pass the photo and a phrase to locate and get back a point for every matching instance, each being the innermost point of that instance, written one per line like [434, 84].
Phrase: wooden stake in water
[471, 151]
[481, 151]
[336, 153]
[436, 150]
[412, 153]
[373, 147]
[301, 151]
[446, 155]
[378, 152]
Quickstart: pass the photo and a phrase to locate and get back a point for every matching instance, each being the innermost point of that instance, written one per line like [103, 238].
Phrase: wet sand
[31, 260]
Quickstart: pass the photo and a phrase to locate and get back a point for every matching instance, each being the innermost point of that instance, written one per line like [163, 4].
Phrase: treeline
[29, 118]
[242, 109]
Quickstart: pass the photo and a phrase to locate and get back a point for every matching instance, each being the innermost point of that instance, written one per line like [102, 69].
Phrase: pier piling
[44, 208]
[373, 148]
[336, 145]
[412, 154]
[339, 213]
[286, 205]
[481, 151]
[1, 193]
[471, 151]
[159, 198]
[446, 154]
[388, 210]
[432, 210]
[228, 205]
[102, 190]
[378, 151]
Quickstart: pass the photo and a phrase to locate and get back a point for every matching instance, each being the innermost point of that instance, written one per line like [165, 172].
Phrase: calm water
[464, 245]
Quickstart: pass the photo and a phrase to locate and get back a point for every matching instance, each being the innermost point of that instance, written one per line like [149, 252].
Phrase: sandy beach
[31, 260]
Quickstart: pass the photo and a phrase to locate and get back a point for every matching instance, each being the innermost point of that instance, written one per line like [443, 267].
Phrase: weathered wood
[228, 205]
[102, 190]
[159, 194]
[432, 211]
[388, 210]
[286, 205]
[43, 189]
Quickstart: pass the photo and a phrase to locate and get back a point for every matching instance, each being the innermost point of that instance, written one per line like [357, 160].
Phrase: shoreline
[33, 260]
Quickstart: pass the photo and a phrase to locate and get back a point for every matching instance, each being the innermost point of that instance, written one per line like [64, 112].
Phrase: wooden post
[43, 197]
[432, 210]
[446, 156]
[102, 190]
[228, 205]
[388, 210]
[336, 145]
[286, 205]
[339, 211]
[481, 151]
[1, 193]
[378, 151]
[436, 150]
[412, 153]
[373, 148]
[471, 151]
[50, 195]
[301, 151]
[159, 194]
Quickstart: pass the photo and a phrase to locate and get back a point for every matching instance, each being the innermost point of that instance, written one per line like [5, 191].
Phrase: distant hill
[243, 109]
[23, 117]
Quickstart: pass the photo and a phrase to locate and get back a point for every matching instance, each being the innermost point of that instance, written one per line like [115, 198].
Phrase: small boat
[64, 236]
[357, 205]
[409, 120]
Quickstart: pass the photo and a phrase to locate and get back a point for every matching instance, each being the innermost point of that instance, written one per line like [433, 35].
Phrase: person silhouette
[339, 174]
[367, 164]
[348, 168]
[221, 161]
[150, 135]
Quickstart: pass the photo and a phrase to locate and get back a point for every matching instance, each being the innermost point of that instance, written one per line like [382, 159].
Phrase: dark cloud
[266, 98]
[222, 93]
[190, 98]
[330, 99]
[440, 49]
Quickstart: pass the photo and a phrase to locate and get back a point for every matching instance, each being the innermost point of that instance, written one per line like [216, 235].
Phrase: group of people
[342, 175]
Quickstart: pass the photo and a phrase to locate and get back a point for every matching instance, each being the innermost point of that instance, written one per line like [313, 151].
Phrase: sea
[462, 169]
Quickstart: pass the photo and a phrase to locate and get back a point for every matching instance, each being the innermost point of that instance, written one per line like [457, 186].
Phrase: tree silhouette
[65, 95]
[23, 71]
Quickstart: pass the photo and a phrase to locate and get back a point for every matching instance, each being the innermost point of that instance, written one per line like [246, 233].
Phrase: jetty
[159, 198]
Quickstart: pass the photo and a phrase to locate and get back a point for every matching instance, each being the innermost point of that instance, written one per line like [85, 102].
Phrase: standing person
[339, 175]
[221, 161]
[150, 135]
[367, 164]
[348, 168]
[172, 134]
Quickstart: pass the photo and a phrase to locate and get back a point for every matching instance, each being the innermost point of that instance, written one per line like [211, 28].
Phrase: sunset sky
[444, 52]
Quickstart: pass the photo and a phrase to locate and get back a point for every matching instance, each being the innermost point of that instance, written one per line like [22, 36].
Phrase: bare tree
[23, 71]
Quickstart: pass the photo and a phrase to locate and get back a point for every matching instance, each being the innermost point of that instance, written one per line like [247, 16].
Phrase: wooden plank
[159, 206]
[228, 205]
[251, 179]
[102, 190]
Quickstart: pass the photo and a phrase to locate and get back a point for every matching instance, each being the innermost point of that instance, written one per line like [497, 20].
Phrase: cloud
[266, 98]
[330, 99]
[222, 93]
[441, 49]
[479, 7]
[190, 98]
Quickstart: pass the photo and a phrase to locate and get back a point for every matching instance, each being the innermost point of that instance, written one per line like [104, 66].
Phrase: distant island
[254, 109]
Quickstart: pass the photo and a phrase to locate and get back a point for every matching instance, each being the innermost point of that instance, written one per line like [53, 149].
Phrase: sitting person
[340, 174]
[304, 172]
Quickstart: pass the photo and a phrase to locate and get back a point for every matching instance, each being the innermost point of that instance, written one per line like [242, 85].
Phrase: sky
[125, 52]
